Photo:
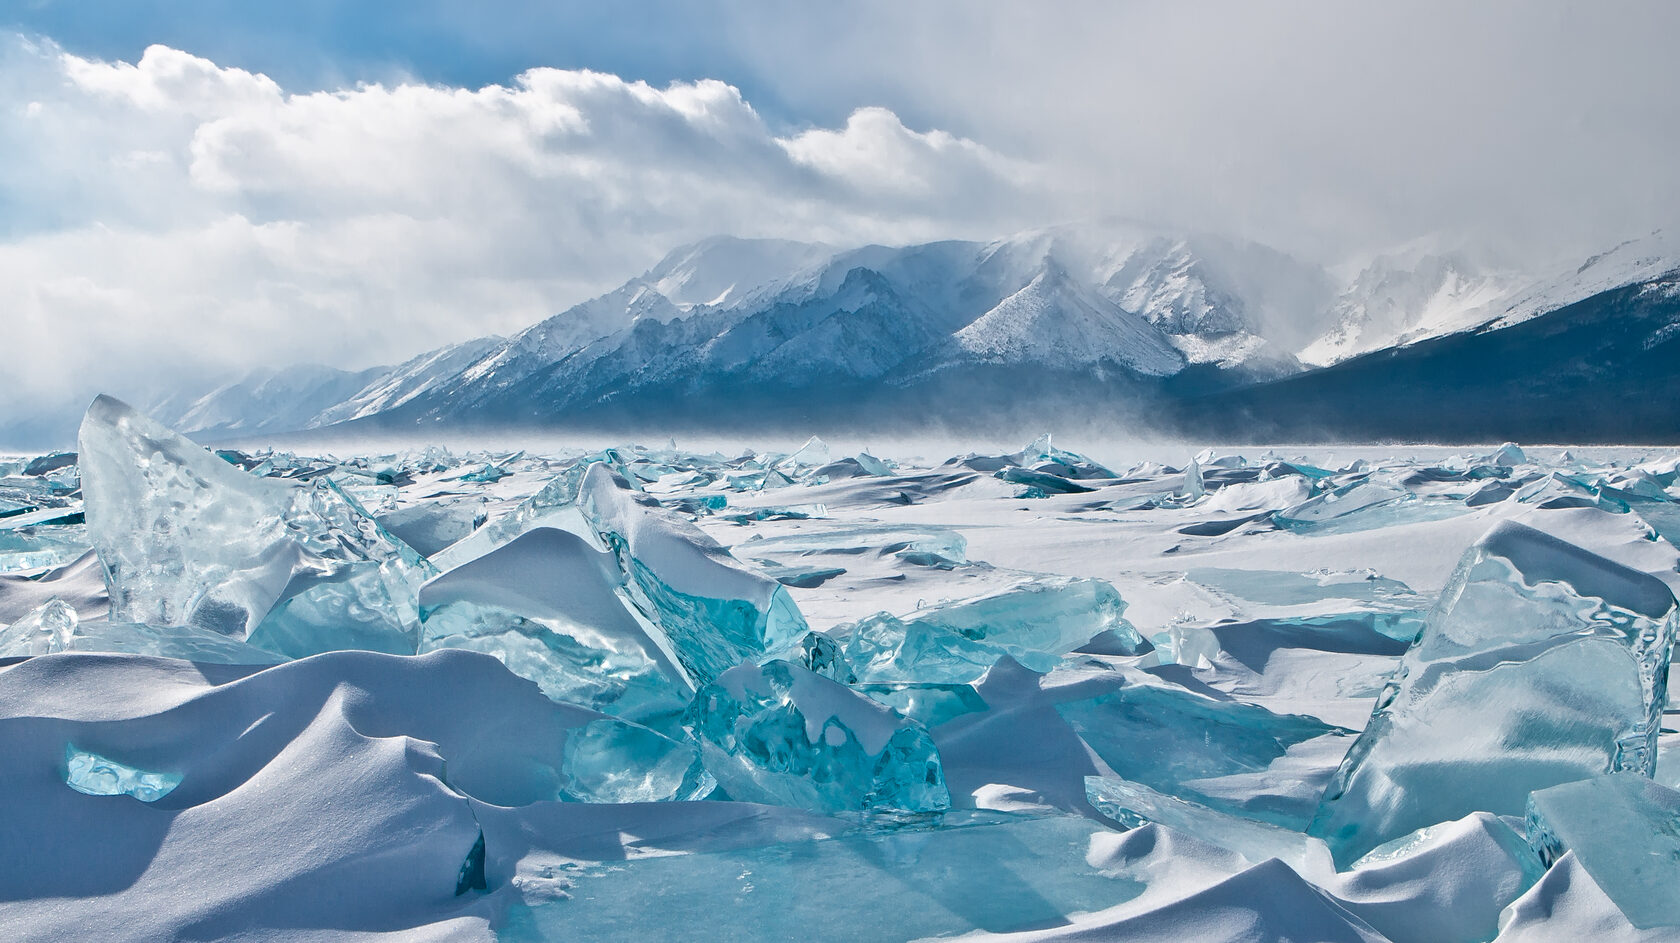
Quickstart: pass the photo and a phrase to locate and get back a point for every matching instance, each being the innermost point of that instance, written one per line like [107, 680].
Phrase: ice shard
[1542, 663]
[782, 735]
[1036, 622]
[714, 612]
[553, 505]
[610, 760]
[46, 629]
[1625, 831]
[95, 775]
[188, 539]
[547, 605]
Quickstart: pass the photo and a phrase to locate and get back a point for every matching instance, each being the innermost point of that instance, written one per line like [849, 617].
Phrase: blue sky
[193, 188]
[310, 45]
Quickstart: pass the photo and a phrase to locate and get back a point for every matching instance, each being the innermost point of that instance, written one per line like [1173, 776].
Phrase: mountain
[1170, 328]
[1601, 369]
[265, 401]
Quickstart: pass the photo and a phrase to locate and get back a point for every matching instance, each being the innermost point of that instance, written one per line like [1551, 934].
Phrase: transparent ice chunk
[783, 735]
[553, 505]
[1542, 663]
[547, 605]
[1035, 622]
[96, 775]
[1625, 831]
[927, 704]
[612, 761]
[187, 539]
[46, 629]
[714, 612]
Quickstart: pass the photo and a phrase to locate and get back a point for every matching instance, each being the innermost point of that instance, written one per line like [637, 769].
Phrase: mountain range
[1170, 332]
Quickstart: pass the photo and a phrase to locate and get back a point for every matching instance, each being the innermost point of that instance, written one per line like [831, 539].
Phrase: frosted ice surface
[547, 605]
[1135, 805]
[1180, 743]
[1036, 622]
[714, 612]
[977, 871]
[1542, 663]
[782, 735]
[46, 629]
[1625, 831]
[1340, 503]
[96, 775]
[187, 539]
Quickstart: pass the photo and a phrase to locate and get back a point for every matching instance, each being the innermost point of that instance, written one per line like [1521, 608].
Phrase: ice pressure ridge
[583, 679]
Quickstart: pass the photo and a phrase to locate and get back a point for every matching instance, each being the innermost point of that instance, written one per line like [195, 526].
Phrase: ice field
[645, 693]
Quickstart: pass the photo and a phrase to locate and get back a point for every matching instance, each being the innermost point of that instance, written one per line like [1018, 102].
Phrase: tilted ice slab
[1035, 622]
[714, 612]
[783, 735]
[547, 605]
[1624, 830]
[187, 539]
[1542, 663]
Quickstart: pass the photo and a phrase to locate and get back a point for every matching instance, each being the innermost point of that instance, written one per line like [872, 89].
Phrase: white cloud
[175, 216]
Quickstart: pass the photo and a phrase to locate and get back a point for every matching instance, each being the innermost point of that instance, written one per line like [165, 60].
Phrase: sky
[193, 187]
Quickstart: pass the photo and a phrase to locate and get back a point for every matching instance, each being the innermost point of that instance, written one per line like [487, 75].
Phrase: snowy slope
[1054, 320]
[1404, 298]
[1400, 299]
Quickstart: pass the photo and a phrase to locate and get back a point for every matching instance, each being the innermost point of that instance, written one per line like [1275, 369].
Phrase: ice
[784, 735]
[24, 549]
[1542, 663]
[609, 760]
[96, 775]
[42, 631]
[429, 528]
[714, 613]
[187, 539]
[552, 505]
[927, 704]
[547, 605]
[981, 871]
[1134, 805]
[1036, 622]
[190, 643]
[1183, 743]
[1624, 830]
[818, 653]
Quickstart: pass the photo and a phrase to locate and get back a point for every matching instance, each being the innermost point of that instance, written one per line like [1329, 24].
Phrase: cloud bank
[175, 216]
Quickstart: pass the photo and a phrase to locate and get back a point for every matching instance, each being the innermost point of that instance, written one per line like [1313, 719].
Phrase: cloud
[175, 217]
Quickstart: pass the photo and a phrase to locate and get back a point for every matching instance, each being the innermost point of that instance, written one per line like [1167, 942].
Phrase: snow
[342, 795]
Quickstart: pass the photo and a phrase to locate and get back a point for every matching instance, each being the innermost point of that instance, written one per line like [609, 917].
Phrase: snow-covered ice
[829, 693]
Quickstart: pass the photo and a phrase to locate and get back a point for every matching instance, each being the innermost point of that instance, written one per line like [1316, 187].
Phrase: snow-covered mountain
[746, 324]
